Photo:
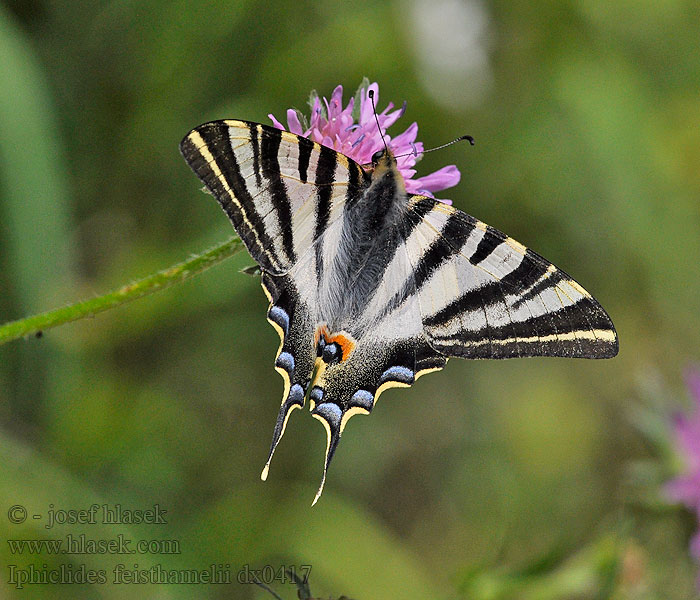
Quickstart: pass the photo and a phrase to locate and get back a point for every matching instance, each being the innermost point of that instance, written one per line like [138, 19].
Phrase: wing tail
[295, 357]
[294, 399]
[331, 415]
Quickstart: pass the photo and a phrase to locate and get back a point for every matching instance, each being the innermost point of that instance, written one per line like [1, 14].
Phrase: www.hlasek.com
[81, 544]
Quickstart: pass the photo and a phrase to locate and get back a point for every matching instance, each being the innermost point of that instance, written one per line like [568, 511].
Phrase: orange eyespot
[343, 340]
[346, 345]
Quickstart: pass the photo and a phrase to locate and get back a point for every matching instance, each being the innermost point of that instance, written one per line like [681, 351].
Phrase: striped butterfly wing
[279, 190]
[285, 196]
[395, 283]
[484, 295]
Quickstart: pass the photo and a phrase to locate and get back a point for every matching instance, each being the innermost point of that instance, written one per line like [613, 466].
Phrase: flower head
[354, 133]
[686, 487]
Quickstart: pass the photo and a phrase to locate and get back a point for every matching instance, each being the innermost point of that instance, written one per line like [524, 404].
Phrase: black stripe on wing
[269, 149]
[325, 170]
[256, 154]
[561, 333]
[305, 148]
[491, 240]
[437, 253]
[520, 280]
[515, 319]
[207, 149]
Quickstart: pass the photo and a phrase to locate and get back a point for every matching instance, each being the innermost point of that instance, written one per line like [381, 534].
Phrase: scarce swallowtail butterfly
[370, 286]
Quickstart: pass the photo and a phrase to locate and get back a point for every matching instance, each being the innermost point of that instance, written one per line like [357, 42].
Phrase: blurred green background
[517, 479]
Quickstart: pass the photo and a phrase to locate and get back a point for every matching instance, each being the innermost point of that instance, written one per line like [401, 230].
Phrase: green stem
[158, 281]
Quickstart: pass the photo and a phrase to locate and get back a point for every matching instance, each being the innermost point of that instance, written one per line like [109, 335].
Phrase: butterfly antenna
[370, 93]
[461, 138]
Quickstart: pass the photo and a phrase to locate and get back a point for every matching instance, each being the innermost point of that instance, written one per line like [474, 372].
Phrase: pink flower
[686, 487]
[335, 127]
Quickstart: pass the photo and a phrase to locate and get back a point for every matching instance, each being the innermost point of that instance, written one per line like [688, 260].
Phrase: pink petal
[386, 110]
[275, 122]
[293, 122]
[316, 135]
[439, 180]
[345, 123]
[336, 106]
[683, 489]
[347, 111]
[402, 142]
[315, 114]
[391, 118]
[366, 111]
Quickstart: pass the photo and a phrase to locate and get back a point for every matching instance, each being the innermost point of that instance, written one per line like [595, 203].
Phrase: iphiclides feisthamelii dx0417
[371, 286]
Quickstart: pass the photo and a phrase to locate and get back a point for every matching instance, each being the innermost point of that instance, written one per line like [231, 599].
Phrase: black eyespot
[377, 156]
[331, 354]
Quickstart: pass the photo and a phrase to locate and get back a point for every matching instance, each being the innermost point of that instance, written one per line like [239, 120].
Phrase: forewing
[484, 295]
[280, 190]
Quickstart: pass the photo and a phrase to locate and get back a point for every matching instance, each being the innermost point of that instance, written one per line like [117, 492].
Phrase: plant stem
[158, 281]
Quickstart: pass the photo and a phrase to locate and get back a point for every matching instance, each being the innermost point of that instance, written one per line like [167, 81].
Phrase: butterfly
[371, 287]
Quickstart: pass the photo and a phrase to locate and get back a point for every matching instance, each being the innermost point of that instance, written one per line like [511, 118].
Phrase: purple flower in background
[686, 429]
[335, 127]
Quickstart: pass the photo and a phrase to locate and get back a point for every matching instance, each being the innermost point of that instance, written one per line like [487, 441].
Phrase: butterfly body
[370, 287]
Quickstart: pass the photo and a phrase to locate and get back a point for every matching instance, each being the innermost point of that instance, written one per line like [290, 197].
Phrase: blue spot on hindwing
[400, 374]
[285, 361]
[330, 412]
[296, 395]
[363, 399]
[279, 315]
[317, 394]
